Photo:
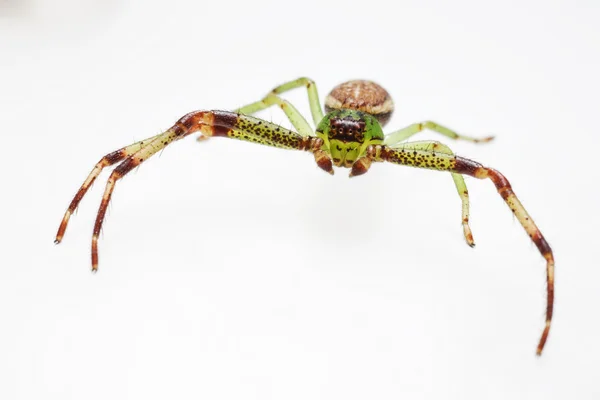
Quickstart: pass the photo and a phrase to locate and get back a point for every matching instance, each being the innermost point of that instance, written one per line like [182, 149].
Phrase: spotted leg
[297, 120]
[404, 133]
[448, 162]
[210, 123]
[294, 116]
[459, 181]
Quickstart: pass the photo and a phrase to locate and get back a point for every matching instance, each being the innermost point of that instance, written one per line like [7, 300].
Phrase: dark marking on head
[347, 130]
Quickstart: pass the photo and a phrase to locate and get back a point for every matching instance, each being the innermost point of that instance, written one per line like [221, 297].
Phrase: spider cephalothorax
[350, 136]
[346, 135]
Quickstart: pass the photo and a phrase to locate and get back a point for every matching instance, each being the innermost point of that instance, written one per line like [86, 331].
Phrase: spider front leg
[106, 161]
[210, 123]
[447, 162]
[459, 181]
[404, 133]
[293, 115]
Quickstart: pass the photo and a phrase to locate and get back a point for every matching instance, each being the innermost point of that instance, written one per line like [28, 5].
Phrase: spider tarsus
[468, 234]
[485, 139]
[469, 240]
[56, 241]
[543, 339]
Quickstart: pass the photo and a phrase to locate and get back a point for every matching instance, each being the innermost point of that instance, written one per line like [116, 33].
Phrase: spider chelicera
[349, 135]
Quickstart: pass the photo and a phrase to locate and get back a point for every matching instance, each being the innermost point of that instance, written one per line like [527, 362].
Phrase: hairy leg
[459, 181]
[106, 161]
[210, 123]
[297, 120]
[404, 133]
[313, 99]
[447, 162]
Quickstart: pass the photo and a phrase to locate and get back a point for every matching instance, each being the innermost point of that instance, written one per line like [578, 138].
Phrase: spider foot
[468, 234]
[483, 140]
[62, 228]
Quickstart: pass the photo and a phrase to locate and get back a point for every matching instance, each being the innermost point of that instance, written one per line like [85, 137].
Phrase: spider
[349, 135]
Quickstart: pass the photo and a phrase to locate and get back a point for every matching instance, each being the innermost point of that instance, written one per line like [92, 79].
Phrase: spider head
[361, 95]
[346, 135]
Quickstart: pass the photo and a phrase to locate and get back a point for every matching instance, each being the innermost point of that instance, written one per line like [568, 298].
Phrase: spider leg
[404, 133]
[448, 162]
[297, 120]
[292, 113]
[106, 161]
[210, 123]
[459, 181]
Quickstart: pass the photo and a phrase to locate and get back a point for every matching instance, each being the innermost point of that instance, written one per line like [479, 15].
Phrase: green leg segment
[292, 113]
[403, 134]
[209, 123]
[441, 161]
[459, 181]
[297, 120]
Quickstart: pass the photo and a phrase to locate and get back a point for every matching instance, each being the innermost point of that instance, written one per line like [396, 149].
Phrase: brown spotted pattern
[448, 162]
[347, 130]
[419, 158]
[361, 95]
[209, 123]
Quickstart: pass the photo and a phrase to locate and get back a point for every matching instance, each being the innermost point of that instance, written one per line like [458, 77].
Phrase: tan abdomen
[365, 96]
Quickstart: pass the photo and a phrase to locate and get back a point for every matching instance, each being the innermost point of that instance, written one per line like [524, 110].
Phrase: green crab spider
[350, 135]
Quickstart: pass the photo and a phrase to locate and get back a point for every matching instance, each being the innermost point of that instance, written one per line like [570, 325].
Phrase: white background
[235, 271]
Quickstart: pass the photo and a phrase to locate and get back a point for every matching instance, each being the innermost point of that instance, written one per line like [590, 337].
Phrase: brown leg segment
[456, 164]
[130, 163]
[106, 161]
[210, 123]
[506, 192]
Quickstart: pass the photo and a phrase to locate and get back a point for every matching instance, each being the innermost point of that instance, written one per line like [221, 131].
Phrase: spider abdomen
[361, 95]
